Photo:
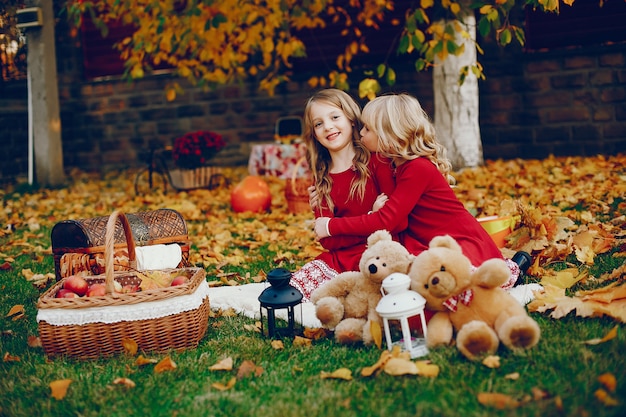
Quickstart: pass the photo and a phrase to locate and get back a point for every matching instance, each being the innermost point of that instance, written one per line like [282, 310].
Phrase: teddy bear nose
[435, 281]
[372, 268]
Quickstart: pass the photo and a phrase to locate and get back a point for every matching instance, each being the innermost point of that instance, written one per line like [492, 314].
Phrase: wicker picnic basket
[159, 320]
[296, 192]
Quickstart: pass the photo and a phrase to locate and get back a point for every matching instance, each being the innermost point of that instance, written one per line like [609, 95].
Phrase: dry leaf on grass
[400, 366]
[277, 344]
[341, 373]
[224, 387]
[609, 336]
[492, 361]
[248, 368]
[34, 342]
[605, 398]
[10, 358]
[166, 364]
[59, 388]
[498, 400]
[141, 361]
[126, 382]
[427, 368]
[16, 312]
[609, 381]
[225, 364]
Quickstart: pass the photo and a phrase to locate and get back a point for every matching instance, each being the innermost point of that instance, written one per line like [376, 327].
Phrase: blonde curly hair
[405, 131]
[318, 156]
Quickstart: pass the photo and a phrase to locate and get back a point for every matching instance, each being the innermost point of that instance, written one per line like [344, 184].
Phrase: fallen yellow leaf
[301, 341]
[400, 366]
[225, 364]
[166, 364]
[497, 400]
[341, 373]
[34, 341]
[277, 344]
[231, 383]
[427, 369]
[130, 346]
[17, 311]
[605, 398]
[492, 361]
[610, 335]
[370, 370]
[377, 333]
[141, 360]
[125, 382]
[59, 388]
[514, 376]
[609, 381]
[10, 358]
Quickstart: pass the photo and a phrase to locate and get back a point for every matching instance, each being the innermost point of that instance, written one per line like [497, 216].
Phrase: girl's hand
[313, 197]
[321, 227]
[380, 202]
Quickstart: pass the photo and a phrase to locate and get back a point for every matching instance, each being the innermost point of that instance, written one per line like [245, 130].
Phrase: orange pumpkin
[251, 194]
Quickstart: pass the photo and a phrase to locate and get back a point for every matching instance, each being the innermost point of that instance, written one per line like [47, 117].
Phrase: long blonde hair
[318, 156]
[405, 132]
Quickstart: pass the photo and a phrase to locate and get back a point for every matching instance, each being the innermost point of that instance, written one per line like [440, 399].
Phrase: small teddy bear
[470, 303]
[347, 303]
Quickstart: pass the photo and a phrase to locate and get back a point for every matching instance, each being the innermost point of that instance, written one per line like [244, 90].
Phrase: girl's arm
[411, 182]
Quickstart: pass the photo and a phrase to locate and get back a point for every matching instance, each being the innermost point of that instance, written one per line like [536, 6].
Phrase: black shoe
[524, 260]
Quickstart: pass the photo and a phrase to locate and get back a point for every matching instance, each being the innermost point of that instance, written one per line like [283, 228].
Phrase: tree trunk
[456, 106]
[43, 94]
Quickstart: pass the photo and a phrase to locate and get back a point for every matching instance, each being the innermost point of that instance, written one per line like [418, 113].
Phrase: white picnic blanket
[244, 299]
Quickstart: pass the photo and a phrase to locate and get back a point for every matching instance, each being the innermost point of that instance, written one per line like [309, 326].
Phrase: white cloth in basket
[147, 310]
[158, 256]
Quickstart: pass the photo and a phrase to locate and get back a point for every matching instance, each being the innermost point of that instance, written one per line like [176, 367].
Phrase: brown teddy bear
[347, 303]
[470, 303]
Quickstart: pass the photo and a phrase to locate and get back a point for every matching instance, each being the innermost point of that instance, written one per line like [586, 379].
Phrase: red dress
[424, 197]
[344, 252]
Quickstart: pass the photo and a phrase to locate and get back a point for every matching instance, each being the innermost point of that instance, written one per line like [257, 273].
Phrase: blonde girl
[347, 177]
[397, 127]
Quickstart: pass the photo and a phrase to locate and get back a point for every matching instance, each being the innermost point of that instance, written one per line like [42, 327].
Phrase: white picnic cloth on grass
[244, 299]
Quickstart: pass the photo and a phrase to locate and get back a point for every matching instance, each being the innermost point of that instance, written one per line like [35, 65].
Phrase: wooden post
[43, 96]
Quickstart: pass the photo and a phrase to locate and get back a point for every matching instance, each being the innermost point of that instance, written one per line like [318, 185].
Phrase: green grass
[561, 366]
[290, 384]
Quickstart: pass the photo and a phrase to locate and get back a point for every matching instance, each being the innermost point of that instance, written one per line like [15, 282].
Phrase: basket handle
[296, 168]
[109, 248]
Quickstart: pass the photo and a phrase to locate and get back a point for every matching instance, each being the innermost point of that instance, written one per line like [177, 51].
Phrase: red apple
[64, 293]
[77, 284]
[179, 280]
[128, 288]
[96, 290]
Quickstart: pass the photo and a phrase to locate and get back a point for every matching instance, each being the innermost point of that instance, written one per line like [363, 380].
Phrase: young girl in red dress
[397, 127]
[348, 178]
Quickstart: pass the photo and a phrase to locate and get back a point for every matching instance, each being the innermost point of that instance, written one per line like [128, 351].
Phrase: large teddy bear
[470, 303]
[347, 303]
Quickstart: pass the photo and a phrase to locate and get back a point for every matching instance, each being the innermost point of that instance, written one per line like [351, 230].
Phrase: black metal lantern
[280, 296]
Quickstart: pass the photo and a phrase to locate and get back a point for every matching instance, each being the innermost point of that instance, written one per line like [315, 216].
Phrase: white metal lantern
[400, 303]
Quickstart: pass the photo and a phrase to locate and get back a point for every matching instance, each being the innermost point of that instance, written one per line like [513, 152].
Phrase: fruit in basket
[179, 280]
[96, 290]
[64, 293]
[129, 288]
[251, 194]
[76, 284]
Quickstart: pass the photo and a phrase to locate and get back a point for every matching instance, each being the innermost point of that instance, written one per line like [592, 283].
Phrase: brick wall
[562, 102]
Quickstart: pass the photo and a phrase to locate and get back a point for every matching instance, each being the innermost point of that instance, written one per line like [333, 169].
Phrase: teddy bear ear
[445, 241]
[378, 236]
